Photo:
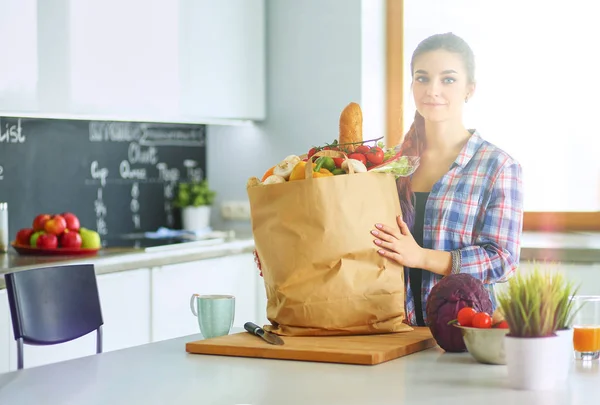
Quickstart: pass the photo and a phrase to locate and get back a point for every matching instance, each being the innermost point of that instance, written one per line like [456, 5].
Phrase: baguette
[351, 121]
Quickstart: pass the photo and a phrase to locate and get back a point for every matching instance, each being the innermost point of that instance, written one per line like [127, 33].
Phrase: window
[538, 88]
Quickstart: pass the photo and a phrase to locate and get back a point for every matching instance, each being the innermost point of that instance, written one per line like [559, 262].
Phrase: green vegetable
[325, 162]
[401, 167]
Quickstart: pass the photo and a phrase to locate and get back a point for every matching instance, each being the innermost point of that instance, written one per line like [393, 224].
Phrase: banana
[285, 167]
[273, 179]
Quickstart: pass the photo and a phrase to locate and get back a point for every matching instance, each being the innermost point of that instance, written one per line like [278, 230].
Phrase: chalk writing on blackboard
[168, 190]
[101, 213]
[146, 134]
[1, 172]
[106, 131]
[12, 133]
[127, 172]
[134, 205]
[194, 173]
[99, 172]
[172, 137]
[138, 154]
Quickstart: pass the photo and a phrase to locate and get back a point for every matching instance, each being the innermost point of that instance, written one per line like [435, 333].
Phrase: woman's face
[440, 85]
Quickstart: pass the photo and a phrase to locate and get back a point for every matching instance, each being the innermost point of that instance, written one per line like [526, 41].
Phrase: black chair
[53, 305]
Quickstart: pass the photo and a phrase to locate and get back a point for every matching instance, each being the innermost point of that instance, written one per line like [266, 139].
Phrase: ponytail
[412, 145]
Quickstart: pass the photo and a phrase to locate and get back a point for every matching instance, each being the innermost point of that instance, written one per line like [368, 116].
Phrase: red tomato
[362, 149]
[482, 320]
[338, 162]
[375, 155]
[330, 148]
[312, 151]
[358, 156]
[501, 325]
[465, 316]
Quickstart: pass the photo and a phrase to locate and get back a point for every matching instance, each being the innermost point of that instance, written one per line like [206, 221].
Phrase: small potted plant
[536, 305]
[195, 199]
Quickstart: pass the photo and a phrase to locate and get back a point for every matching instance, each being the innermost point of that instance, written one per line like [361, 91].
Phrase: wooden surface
[394, 72]
[561, 221]
[364, 349]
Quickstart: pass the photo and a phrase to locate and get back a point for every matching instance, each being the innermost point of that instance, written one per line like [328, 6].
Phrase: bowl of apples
[56, 234]
[483, 334]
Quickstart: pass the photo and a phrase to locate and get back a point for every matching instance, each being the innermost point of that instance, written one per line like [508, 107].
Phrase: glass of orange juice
[586, 327]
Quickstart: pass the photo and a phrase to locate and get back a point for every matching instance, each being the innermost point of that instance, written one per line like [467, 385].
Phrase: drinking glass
[586, 327]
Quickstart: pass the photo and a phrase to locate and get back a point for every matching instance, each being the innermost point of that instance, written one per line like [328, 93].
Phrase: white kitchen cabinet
[124, 57]
[125, 300]
[223, 58]
[197, 61]
[173, 285]
[6, 333]
[19, 44]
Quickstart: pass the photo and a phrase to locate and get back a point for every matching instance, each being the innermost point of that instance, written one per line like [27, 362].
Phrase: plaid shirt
[474, 211]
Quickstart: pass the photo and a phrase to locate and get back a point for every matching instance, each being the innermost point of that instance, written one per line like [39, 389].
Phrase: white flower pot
[195, 218]
[532, 362]
[566, 352]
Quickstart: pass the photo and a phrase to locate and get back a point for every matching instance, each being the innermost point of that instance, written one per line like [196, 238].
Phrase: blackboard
[117, 177]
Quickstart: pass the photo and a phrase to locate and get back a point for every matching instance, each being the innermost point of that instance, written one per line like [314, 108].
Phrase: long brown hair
[413, 143]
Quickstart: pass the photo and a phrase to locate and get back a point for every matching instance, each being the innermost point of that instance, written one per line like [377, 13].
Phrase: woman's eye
[422, 79]
[449, 80]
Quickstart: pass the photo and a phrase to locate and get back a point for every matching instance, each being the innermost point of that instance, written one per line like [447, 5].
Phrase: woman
[463, 206]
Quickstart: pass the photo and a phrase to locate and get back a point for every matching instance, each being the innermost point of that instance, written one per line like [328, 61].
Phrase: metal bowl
[485, 345]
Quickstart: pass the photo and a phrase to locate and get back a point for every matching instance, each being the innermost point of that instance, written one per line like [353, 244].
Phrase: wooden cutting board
[363, 349]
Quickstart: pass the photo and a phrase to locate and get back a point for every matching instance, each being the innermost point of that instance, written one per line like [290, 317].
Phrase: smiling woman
[462, 209]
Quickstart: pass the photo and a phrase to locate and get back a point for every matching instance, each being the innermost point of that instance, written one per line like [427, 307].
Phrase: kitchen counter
[575, 247]
[163, 373]
[110, 260]
[568, 247]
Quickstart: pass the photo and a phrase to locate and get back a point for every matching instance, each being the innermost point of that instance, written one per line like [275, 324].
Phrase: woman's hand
[257, 262]
[398, 244]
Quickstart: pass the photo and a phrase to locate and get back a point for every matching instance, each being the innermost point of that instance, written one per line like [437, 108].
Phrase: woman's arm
[494, 256]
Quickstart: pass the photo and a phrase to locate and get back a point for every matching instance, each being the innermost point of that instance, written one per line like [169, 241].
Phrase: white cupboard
[6, 335]
[173, 286]
[136, 60]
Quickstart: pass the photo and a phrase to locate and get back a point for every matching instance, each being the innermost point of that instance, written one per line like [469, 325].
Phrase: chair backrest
[54, 304]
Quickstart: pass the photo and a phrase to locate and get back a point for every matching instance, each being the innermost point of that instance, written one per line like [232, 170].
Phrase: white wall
[313, 72]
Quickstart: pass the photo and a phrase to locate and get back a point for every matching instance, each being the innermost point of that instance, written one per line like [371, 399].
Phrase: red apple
[70, 239]
[55, 225]
[23, 236]
[39, 222]
[72, 221]
[47, 241]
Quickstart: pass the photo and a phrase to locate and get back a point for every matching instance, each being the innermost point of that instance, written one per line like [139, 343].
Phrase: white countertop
[163, 373]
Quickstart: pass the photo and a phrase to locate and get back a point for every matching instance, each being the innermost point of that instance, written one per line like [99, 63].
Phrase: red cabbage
[447, 297]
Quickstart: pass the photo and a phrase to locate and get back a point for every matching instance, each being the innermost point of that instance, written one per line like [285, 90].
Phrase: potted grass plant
[195, 199]
[536, 306]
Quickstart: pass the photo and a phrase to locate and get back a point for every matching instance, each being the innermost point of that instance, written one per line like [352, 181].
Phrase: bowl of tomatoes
[483, 335]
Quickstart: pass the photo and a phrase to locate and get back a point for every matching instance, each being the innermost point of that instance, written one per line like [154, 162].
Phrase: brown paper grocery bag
[321, 269]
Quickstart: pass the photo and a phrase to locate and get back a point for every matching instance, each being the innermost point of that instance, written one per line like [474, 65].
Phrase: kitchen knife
[260, 332]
